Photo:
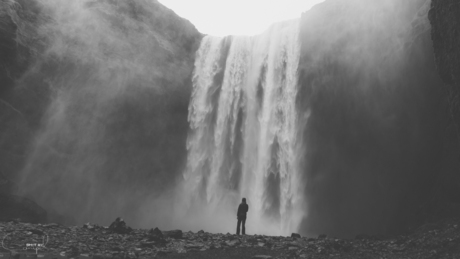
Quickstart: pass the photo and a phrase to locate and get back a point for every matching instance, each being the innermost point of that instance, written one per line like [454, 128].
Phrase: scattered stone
[322, 236]
[163, 252]
[52, 225]
[37, 232]
[194, 246]
[90, 227]
[234, 242]
[147, 244]
[78, 242]
[293, 244]
[251, 240]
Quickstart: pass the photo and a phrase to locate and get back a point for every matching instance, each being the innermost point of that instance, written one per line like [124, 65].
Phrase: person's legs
[244, 227]
[238, 227]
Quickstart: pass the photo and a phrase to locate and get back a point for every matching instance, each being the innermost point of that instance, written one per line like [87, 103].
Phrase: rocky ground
[440, 240]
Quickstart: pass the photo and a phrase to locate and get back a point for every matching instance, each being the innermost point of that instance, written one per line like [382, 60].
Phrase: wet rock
[52, 225]
[150, 244]
[194, 246]
[164, 252]
[181, 251]
[155, 233]
[157, 236]
[90, 227]
[119, 226]
[37, 232]
[293, 244]
[99, 256]
[295, 235]
[176, 234]
[234, 242]
[251, 240]
[322, 236]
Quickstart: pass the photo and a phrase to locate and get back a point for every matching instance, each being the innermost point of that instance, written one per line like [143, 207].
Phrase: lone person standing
[241, 216]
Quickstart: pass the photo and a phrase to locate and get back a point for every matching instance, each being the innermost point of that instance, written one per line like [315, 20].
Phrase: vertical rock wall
[372, 107]
[94, 101]
[444, 16]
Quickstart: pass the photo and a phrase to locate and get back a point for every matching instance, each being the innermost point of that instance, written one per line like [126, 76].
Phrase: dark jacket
[242, 209]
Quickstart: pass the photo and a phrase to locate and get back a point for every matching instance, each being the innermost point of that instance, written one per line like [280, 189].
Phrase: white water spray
[243, 139]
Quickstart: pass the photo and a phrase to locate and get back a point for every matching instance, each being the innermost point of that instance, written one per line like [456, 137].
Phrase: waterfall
[243, 128]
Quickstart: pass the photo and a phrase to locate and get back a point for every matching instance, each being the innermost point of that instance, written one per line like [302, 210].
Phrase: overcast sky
[237, 17]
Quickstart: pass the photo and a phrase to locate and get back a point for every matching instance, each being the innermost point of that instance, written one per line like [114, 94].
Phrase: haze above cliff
[239, 17]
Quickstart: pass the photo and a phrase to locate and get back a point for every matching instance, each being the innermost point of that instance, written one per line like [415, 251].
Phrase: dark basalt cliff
[445, 21]
[375, 119]
[97, 89]
[444, 16]
[445, 33]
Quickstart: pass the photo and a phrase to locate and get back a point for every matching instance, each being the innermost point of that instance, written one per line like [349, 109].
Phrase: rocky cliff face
[94, 98]
[445, 21]
[373, 114]
[445, 34]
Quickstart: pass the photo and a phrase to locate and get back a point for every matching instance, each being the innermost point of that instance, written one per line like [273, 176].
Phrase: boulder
[119, 226]
[295, 235]
[157, 236]
[155, 233]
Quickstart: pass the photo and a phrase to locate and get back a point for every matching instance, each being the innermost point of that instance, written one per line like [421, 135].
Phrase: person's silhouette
[241, 216]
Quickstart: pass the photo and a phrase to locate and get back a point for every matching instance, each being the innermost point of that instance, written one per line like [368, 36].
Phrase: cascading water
[243, 119]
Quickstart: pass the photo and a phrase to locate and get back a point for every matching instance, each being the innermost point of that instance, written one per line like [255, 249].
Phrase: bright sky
[237, 17]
